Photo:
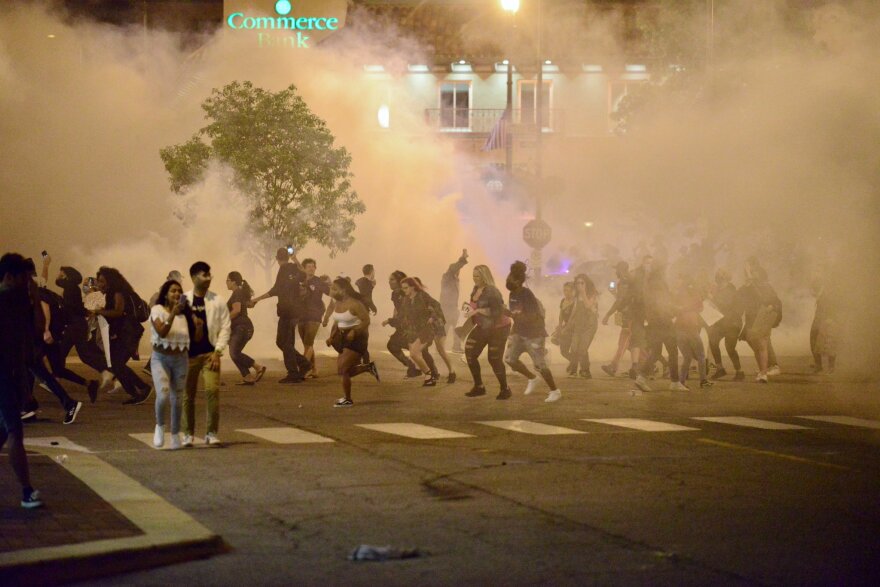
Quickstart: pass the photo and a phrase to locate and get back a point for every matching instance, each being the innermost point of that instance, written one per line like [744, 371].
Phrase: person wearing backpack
[121, 311]
[529, 334]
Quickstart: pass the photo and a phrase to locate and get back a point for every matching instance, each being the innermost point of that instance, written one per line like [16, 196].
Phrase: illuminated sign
[302, 28]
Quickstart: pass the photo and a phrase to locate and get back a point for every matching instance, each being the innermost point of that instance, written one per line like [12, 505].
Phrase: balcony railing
[481, 120]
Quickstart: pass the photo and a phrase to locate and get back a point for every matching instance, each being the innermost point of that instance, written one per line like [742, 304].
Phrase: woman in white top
[349, 336]
[169, 363]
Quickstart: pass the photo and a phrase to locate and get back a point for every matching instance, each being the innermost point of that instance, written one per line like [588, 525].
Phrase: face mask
[60, 282]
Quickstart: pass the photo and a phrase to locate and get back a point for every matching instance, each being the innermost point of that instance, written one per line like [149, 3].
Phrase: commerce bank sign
[285, 23]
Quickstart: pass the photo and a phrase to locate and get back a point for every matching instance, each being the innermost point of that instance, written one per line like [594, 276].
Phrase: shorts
[424, 335]
[439, 329]
[763, 323]
[358, 345]
[638, 337]
[517, 345]
[307, 332]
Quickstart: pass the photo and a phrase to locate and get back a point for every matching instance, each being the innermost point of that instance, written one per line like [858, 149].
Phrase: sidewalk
[96, 522]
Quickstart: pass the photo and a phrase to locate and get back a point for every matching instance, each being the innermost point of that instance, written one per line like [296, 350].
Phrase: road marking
[527, 427]
[59, 442]
[845, 420]
[147, 438]
[327, 353]
[285, 435]
[643, 425]
[753, 423]
[411, 430]
[777, 455]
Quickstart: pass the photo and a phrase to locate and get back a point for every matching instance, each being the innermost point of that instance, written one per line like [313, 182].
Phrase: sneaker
[571, 375]
[553, 396]
[706, 383]
[642, 383]
[139, 399]
[719, 373]
[530, 386]
[159, 436]
[212, 440]
[187, 440]
[374, 371]
[92, 388]
[290, 379]
[429, 381]
[452, 377]
[32, 500]
[106, 382]
[678, 386]
[774, 370]
[586, 375]
[761, 378]
[343, 403]
[503, 394]
[609, 370]
[476, 391]
[117, 387]
[45, 386]
[739, 376]
[70, 416]
[175, 442]
[28, 415]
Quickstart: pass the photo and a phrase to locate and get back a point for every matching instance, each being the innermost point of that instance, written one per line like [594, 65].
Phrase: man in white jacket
[209, 328]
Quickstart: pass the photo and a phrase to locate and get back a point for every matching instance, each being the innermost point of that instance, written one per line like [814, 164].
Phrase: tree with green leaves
[296, 183]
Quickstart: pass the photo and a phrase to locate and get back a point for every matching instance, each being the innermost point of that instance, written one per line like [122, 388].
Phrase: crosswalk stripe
[643, 425]
[285, 435]
[55, 442]
[147, 438]
[527, 427]
[411, 430]
[753, 423]
[845, 420]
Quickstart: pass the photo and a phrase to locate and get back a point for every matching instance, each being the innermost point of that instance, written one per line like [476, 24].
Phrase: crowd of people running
[192, 327]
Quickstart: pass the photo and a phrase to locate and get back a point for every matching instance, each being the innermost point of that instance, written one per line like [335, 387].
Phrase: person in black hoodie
[728, 327]
[365, 286]
[398, 340]
[763, 312]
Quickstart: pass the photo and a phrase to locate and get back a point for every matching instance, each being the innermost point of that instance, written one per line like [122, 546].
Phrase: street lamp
[511, 6]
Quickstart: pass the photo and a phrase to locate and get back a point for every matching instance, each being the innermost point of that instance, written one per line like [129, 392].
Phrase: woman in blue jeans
[242, 329]
[169, 362]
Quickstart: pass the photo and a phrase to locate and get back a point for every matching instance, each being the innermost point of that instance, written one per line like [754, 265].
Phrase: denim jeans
[169, 379]
[241, 335]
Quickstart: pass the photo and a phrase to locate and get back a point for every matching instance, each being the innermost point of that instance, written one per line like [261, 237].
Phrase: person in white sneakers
[528, 334]
[209, 331]
[169, 361]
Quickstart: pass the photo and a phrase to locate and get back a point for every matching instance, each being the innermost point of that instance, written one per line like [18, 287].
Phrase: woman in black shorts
[349, 336]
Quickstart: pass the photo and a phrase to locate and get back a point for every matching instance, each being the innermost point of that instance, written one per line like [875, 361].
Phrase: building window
[455, 101]
[527, 102]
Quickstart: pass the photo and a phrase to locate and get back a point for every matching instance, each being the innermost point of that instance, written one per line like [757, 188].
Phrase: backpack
[140, 310]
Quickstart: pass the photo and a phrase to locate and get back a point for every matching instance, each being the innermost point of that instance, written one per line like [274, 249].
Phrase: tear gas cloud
[780, 161]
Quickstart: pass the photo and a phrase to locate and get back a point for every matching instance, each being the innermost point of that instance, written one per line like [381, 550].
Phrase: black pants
[729, 331]
[119, 356]
[285, 339]
[496, 340]
[241, 335]
[396, 344]
[657, 337]
[39, 370]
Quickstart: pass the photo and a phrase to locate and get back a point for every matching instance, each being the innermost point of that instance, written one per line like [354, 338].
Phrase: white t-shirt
[178, 336]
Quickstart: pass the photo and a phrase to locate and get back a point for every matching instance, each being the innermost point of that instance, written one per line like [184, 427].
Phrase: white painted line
[411, 430]
[643, 425]
[147, 438]
[753, 423]
[845, 420]
[285, 435]
[527, 427]
[59, 442]
[327, 353]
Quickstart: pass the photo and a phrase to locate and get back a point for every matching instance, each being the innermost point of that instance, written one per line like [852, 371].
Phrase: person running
[209, 330]
[242, 329]
[438, 323]
[416, 316]
[687, 332]
[16, 344]
[723, 295]
[562, 336]
[313, 312]
[659, 330]
[288, 290]
[349, 336]
[125, 332]
[169, 338]
[528, 334]
[581, 326]
[622, 310]
[365, 286]
[449, 296]
[397, 342]
[491, 330]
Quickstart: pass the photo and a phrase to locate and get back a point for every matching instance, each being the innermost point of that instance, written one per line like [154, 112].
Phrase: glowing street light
[511, 6]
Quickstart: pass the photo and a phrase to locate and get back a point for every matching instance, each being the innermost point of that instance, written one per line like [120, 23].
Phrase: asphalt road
[717, 502]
